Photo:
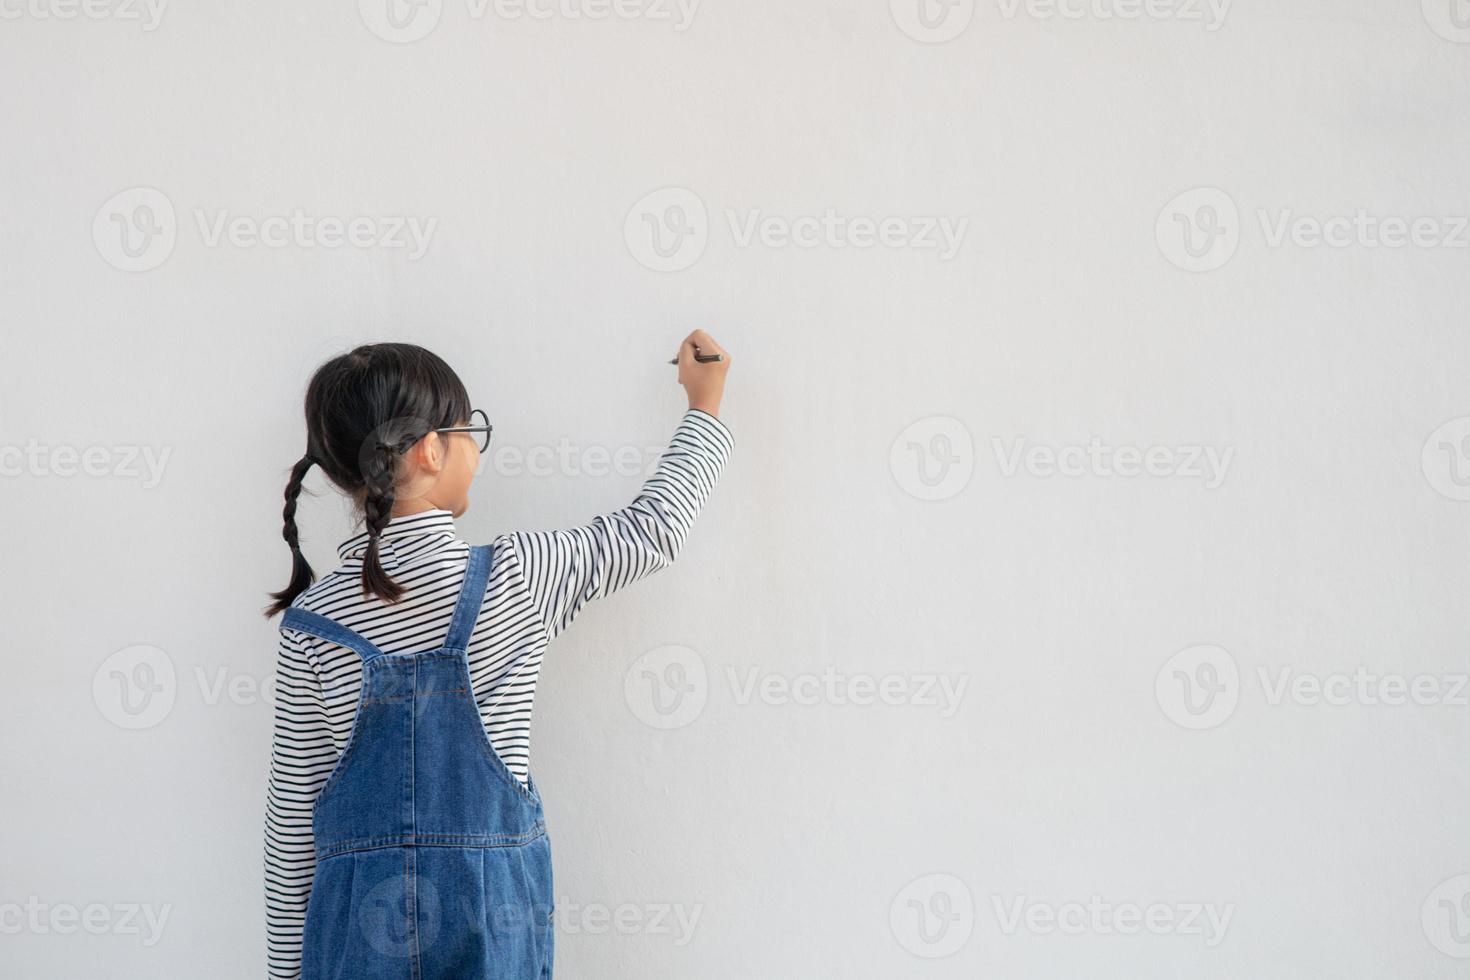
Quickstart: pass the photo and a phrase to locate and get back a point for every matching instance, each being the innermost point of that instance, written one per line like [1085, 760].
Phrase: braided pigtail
[380, 475]
[301, 574]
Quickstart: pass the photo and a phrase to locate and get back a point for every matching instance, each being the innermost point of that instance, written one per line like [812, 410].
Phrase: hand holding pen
[703, 365]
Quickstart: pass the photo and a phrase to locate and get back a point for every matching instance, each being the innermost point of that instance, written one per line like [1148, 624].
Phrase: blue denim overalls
[432, 858]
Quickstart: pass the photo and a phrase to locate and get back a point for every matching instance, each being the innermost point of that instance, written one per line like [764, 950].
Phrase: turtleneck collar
[403, 537]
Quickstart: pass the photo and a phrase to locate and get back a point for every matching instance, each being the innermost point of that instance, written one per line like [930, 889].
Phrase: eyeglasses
[480, 422]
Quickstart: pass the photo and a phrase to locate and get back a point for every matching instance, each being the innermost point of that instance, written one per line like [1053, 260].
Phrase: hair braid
[301, 574]
[380, 481]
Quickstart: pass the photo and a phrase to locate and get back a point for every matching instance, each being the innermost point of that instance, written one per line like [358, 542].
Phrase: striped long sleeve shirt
[539, 581]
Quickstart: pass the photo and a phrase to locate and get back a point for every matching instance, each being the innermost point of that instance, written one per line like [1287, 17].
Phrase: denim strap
[317, 625]
[471, 597]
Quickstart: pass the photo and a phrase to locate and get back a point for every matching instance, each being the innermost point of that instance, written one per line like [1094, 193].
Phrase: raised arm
[563, 570]
[302, 756]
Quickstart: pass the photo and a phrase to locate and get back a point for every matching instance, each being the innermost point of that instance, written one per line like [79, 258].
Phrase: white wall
[822, 839]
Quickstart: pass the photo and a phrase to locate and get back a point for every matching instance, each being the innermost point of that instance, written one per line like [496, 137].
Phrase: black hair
[364, 410]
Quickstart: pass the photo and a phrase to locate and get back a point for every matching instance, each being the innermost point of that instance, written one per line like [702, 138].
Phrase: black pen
[703, 358]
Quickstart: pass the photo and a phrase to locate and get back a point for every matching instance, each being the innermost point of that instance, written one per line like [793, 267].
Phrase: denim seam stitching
[353, 737]
[410, 862]
[470, 841]
[403, 698]
[492, 756]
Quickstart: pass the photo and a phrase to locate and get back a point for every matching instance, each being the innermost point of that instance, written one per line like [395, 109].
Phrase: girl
[404, 834]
